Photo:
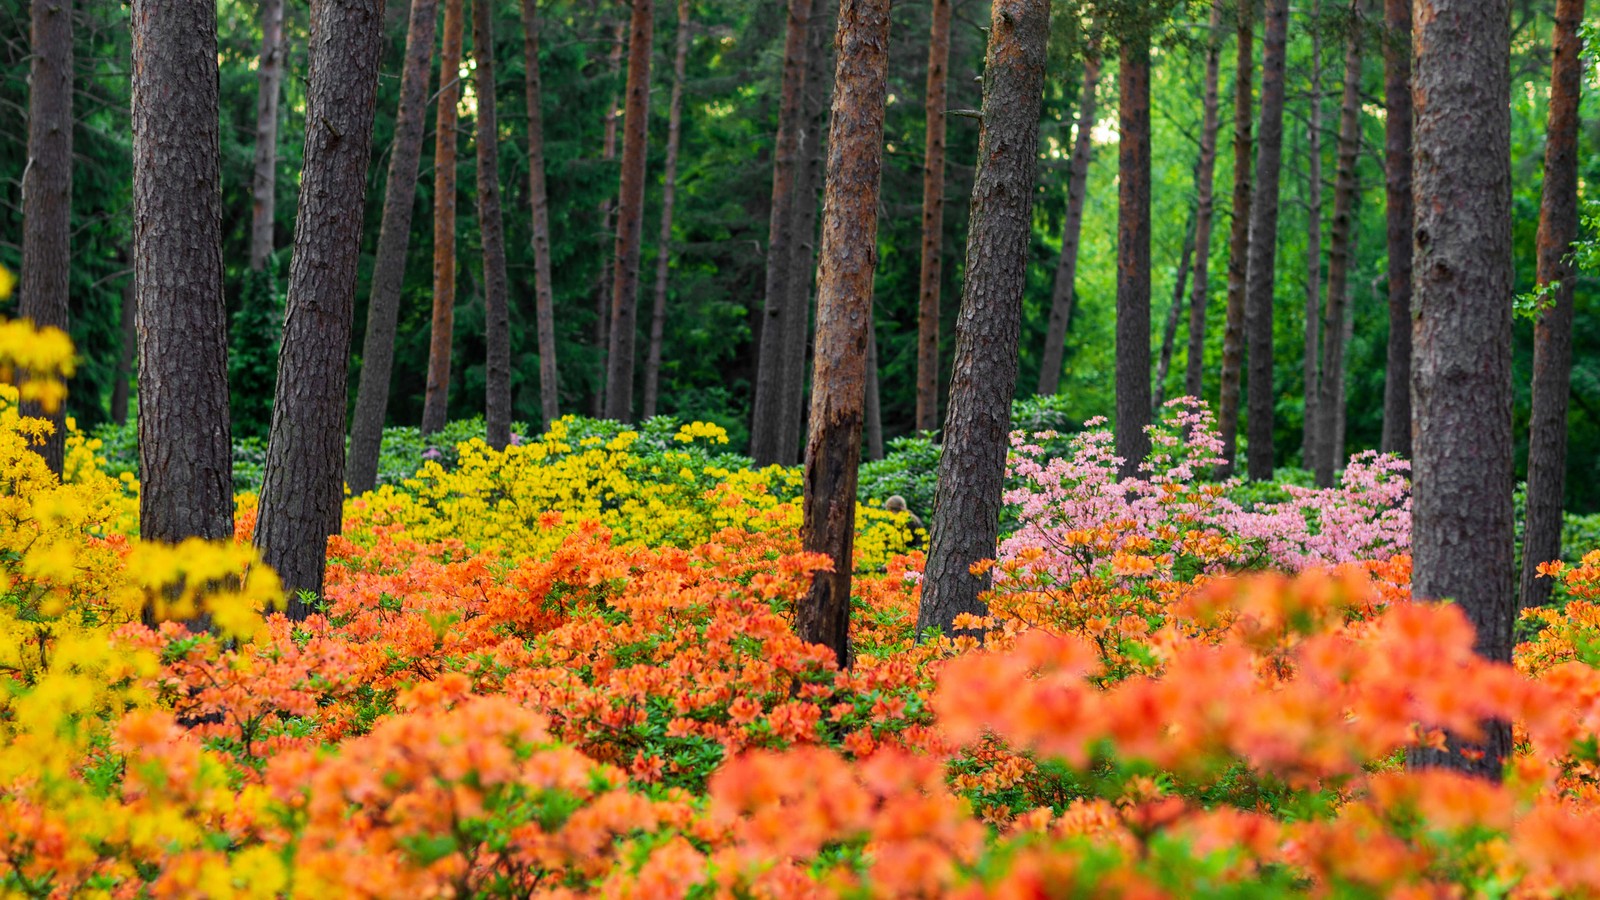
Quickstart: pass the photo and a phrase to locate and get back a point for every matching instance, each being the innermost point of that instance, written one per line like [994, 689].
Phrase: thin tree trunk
[602, 286]
[1193, 380]
[497, 315]
[389, 268]
[767, 428]
[932, 219]
[1309, 445]
[796, 341]
[1330, 405]
[185, 457]
[1397, 172]
[874, 398]
[630, 216]
[1552, 335]
[435, 406]
[1461, 513]
[1133, 254]
[125, 354]
[1061, 296]
[303, 485]
[1238, 242]
[1340, 419]
[47, 194]
[1261, 272]
[538, 199]
[669, 185]
[966, 518]
[849, 259]
[1169, 335]
[264, 177]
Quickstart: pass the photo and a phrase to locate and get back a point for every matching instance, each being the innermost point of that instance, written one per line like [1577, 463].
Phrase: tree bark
[767, 444]
[185, 455]
[539, 201]
[303, 485]
[389, 268]
[1309, 445]
[1194, 380]
[1066, 278]
[1238, 242]
[1552, 336]
[602, 286]
[497, 316]
[630, 216]
[1261, 272]
[984, 373]
[436, 399]
[1397, 175]
[1169, 334]
[1133, 254]
[669, 185]
[1330, 403]
[47, 194]
[264, 177]
[932, 218]
[125, 354]
[1461, 510]
[849, 259]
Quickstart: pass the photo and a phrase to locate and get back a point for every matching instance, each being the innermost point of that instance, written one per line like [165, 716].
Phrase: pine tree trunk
[436, 399]
[1169, 334]
[630, 216]
[125, 354]
[264, 177]
[1330, 405]
[1309, 445]
[497, 315]
[1238, 243]
[185, 456]
[389, 268]
[874, 398]
[539, 201]
[1133, 254]
[669, 185]
[1461, 513]
[1552, 336]
[1194, 375]
[1397, 175]
[603, 284]
[796, 342]
[849, 259]
[47, 193]
[303, 486]
[1261, 272]
[932, 219]
[966, 519]
[766, 427]
[1061, 296]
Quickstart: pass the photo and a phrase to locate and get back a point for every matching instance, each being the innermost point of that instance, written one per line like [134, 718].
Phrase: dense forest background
[721, 219]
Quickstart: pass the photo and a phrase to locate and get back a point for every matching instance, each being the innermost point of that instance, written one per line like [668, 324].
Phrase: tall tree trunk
[1133, 254]
[1397, 176]
[602, 285]
[932, 218]
[1309, 445]
[303, 486]
[1169, 334]
[264, 177]
[1238, 242]
[630, 216]
[796, 341]
[497, 315]
[849, 259]
[1552, 335]
[669, 185]
[538, 199]
[1261, 272]
[977, 427]
[47, 193]
[1461, 514]
[435, 405]
[766, 428]
[389, 268]
[1062, 294]
[1330, 405]
[874, 398]
[1205, 207]
[125, 354]
[185, 454]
